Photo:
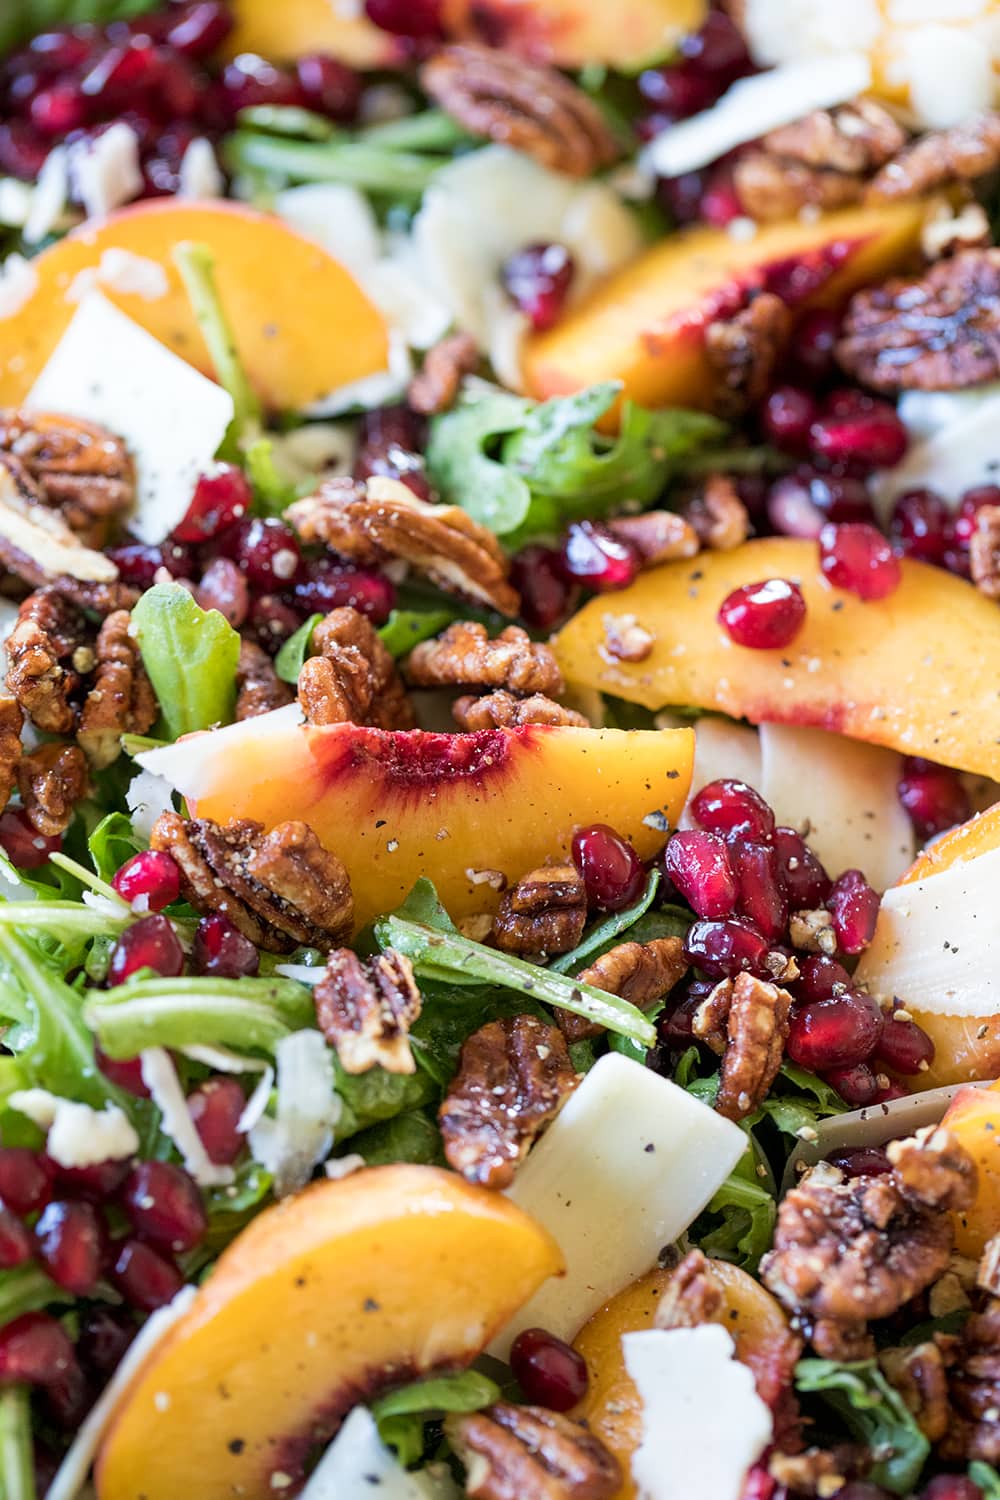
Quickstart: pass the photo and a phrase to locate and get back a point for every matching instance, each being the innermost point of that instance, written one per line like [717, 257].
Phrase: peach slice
[915, 671]
[284, 32]
[462, 809]
[321, 1303]
[974, 1116]
[645, 326]
[263, 270]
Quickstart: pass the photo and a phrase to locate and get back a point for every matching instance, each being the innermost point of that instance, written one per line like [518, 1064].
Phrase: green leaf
[28, 1289]
[190, 655]
[412, 1136]
[112, 842]
[406, 628]
[605, 933]
[22, 19]
[251, 1015]
[371, 166]
[17, 1463]
[874, 1413]
[288, 662]
[287, 119]
[807, 1100]
[197, 267]
[272, 494]
[462, 462]
[373, 1097]
[401, 1415]
[987, 1479]
[746, 1210]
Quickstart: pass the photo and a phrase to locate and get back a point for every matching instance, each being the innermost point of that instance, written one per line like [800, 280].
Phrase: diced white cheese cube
[357, 1463]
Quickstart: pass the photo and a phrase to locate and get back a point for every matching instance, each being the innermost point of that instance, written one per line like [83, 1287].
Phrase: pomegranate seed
[858, 558]
[122, 72]
[268, 552]
[329, 585]
[537, 280]
[125, 1072]
[820, 977]
[856, 1086]
[698, 863]
[221, 949]
[25, 1181]
[224, 588]
[933, 796]
[329, 87]
[215, 1107]
[68, 1398]
[546, 596]
[891, 1091]
[178, 86]
[22, 150]
[391, 443]
[250, 81]
[723, 949]
[151, 878]
[594, 556]
[951, 1487]
[677, 92]
[920, 525]
[789, 412]
[760, 1485]
[854, 907]
[763, 616]
[23, 845]
[96, 1183]
[150, 943]
[105, 1335]
[200, 28]
[16, 1244]
[550, 1372]
[973, 502]
[613, 873]
[762, 898]
[866, 1161]
[729, 806]
[681, 196]
[805, 879]
[791, 510]
[161, 172]
[904, 1047]
[70, 1241]
[145, 1278]
[834, 1033]
[164, 1205]
[720, 203]
[64, 51]
[718, 48]
[798, 504]
[813, 343]
[272, 621]
[219, 499]
[870, 439]
[34, 1350]
[57, 110]
[418, 19]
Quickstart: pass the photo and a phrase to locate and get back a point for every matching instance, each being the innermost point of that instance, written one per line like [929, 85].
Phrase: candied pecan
[501, 710]
[546, 912]
[918, 1374]
[657, 535]
[639, 972]
[933, 1170]
[988, 1272]
[36, 544]
[961, 153]
[743, 351]
[280, 888]
[855, 137]
[625, 639]
[771, 187]
[534, 109]
[41, 649]
[947, 228]
[816, 1471]
[717, 514]
[121, 700]
[984, 551]
[354, 679]
[512, 1077]
[259, 689]
[972, 1359]
[692, 1296]
[436, 386]
[96, 598]
[365, 1008]
[464, 656]
[52, 780]
[755, 1017]
[11, 724]
[939, 331]
[82, 469]
[377, 519]
[531, 1453]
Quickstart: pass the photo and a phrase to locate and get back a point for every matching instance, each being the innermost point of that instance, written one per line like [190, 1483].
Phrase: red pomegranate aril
[225, 589]
[67, 1398]
[730, 806]
[125, 1072]
[834, 1033]
[726, 948]
[891, 1091]
[146, 1279]
[681, 196]
[865, 1161]
[805, 879]
[420, 20]
[546, 595]
[857, 1086]
[328, 86]
[613, 873]
[268, 552]
[272, 621]
[179, 87]
[933, 796]
[799, 504]
[791, 510]
[699, 865]
[200, 28]
[763, 616]
[951, 1487]
[105, 1335]
[537, 279]
[149, 879]
[874, 439]
[760, 1485]
[720, 202]
[858, 558]
[813, 343]
[58, 109]
[122, 72]
[137, 563]
[854, 907]
[215, 1106]
[973, 502]
[71, 1244]
[164, 1205]
[250, 81]
[23, 845]
[25, 1179]
[16, 1243]
[63, 51]
[388, 427]
[787, 416]
[717, 48]
[34, 1350]
[677, 92]
[920, 525]
[761, 896]
[904, 1047]
[220, 949]
[550, 1372]
[820, 977]
[594, 556]
[219, 499]
[22, 150]
[150, 943]
[328, 585]
[96, 1183]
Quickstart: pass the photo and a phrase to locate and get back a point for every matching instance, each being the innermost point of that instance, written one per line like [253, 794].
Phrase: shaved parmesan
[199, 176]
[160, 1077]
[78, 1136]
[954, 458]
[950, 73]
[42, 535]
[105, 169]
[198, 760]
[48, 201]
[357, 1463]
[338, 216]
[147, 796]
[300, 1135]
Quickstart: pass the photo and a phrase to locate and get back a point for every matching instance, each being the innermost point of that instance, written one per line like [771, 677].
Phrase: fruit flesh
[645, 325]
[262, 268]
[323, 1301]
[914, 671]
[974, 1117]
[455, 808]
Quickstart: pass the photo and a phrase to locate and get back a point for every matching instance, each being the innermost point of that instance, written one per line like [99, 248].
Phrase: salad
[500, 750]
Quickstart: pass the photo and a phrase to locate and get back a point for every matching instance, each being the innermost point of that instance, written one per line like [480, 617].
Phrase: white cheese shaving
[18, 283]
[950, 73]
[122, 271]
[300, 1135]
[48, 201]
[959, 453]
[15, 202]
[105, 169]
[305, 973]
[778, 31]
[199, 176]
[43, 535]
[357, 1463]
[344, 1166]
[160, 1077]
[78, 1136]
[147, 796]
[370, 391]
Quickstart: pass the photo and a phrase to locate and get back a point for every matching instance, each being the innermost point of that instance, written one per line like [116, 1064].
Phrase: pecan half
[918, 1374]
[639, 972]
[374, 520]
[717, 515]
[961, 153]
[259, 689]
[464, 656]
[855, 137]
[940, 331]
[354, 679]
[743, 351]
[49, 634]
[984, 551]
[365, 1008]
[436, 385]
[52, 780]
[501, 710]
[512, 1077]
[83, 470]
[533, 109]
[280, 888]
[121, 700]
[11, 724]
[545, 912]
[747, 1019]
[771, 187]
[531, 1453]
[36, 544]
[692, 1296]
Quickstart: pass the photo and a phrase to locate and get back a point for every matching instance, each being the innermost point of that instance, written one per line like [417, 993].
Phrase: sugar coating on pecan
[121, 699]
[11, 749]
[502, 710]
[747, 1021]
[365, 1008]
[512, 1078]
[82, 469]
[657, 535]
[641, 973]
[717, 515]
[280, 888]
[984, 551]
[533, 109]
[436, 385]
[743, 351]
[378, 519]
[354, 679]
[544, 913]
[961, 153]
[465, 656]
[259, 689]
[531, 1453]
[938, 331]
[50, 632]
[51, 781]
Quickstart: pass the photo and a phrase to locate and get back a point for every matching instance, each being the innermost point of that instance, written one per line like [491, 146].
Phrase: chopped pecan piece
[717, 514]
[259, 689]
[82, 469]
[972, 1360]
[918, 1374]
[692, 1295]
[365, 1008]
[531, 1453]
[816, 1471]
[354, 679]
[940, 331]
[933, 1170]
[546, 912]
[36, 544]
[41, 650]
[11, 723]
[280, 889]
[984, 551]
[754, 1015]
[947, 228]
[771, 187]
[512, 1077]
[464, 656]
[961, 153]
[744, 350]
[534, 109]
[855, 137]
[121, 700]
[501, 710]
[436, 386]
[625, 639]
[639, 972]
[657, 535]
[96, 598]
[52, 780]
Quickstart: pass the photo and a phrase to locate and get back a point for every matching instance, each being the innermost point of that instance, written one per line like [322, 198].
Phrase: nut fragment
[83, 470]
[657, 535]
[530, 1453]
[354, 679]
[972, 1362]
[51, 781]
[40, 652]
[365, 1008]
[259, 689]
[512, 1077]
[544, 913]
[36, 544]
[984, 551]
[717, 514]
[918, 1374]
[625, 639]
[743, 351]
[11, 723]
[747, 1018]
[501, 710]
[121, 699]
[770, 187]
[854, 137]
[436, 386]
[692, 1296]
[533, 109]
[641, 973]
[961, 153]
[464, 656]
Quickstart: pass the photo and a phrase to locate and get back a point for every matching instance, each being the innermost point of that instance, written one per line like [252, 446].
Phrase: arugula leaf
[27, 1289]
[288, 662]
[411, 1137]
[373, 1097]
[462, 469]
[23, 19]
[809, 1100]
[287, 119]
[272, 494]
[250, 1014]
[874, 1413]
[746, 1208]
[112, 842]
[190, 655]
[406, 628]
[370, 165]
[196, 265]
[987, 1479]
[605, 933]
[401, 1415]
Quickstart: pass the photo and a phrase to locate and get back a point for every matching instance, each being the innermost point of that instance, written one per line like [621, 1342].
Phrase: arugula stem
[17, 1468]
[27, 1289]
[197, 267]
[62, 917]
[245, 1013]
[606, 931]
[430, 130]
[361, 164]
